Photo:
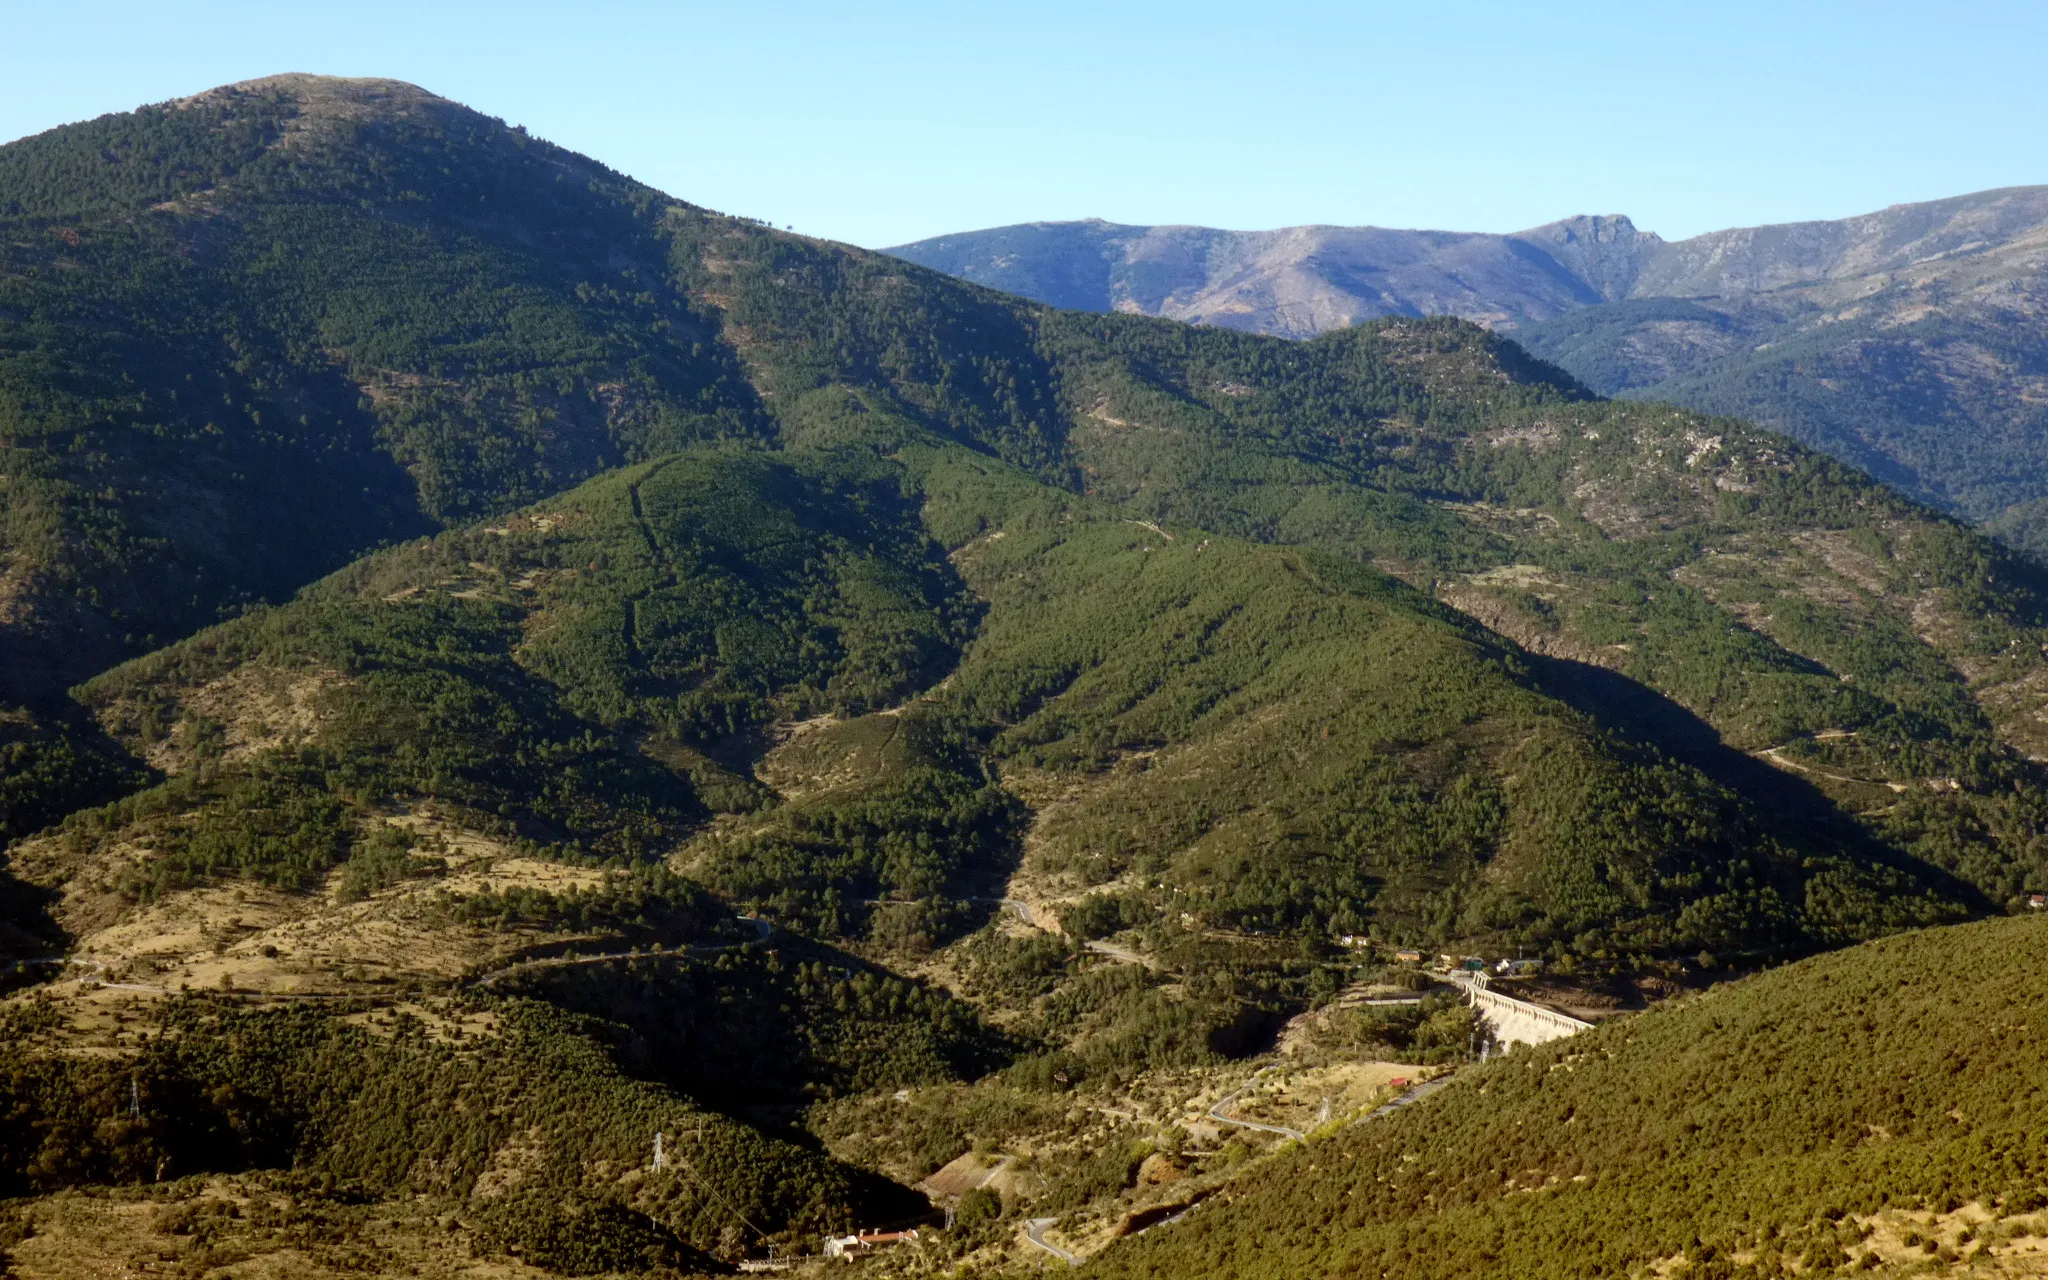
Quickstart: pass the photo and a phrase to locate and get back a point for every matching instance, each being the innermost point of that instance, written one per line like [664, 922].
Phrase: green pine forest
[383, 485]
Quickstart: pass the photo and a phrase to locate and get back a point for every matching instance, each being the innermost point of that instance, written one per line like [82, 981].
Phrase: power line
[701, 1181]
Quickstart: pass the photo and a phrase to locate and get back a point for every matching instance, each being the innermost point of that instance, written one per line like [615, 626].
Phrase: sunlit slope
[437, 771]
[1258, 738]
[1269, 739]
[561, 671]
[1764, 1125]
[486, 319]
[1744, 589]
[1730, 583]
[249, 335]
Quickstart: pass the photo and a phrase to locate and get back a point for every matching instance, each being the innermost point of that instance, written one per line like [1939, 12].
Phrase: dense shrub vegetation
[1735, 1132]
[408, 1111]
[1286, 741]
[370, 463]
[487, 318]
[893, 856]
[747, 1026]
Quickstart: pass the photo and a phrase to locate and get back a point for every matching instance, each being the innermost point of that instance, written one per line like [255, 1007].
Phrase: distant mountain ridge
[1907, 341]
[1300, 281]
[1304, 280]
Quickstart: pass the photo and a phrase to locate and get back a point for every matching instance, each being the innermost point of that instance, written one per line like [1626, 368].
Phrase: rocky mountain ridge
[1304, 280]
[1908, 341]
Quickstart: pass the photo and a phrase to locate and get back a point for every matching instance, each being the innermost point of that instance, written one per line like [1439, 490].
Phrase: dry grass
[248, 1227]
[259, 943]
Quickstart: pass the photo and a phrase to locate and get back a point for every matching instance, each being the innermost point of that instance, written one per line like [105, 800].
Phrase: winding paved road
[1216, 1112]
[1123, 955]
[1415, 1094]
[1023, 912]
[1034, 1231]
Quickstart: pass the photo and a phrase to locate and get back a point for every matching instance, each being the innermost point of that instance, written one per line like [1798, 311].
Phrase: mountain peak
[318, 90]
[334, 97]
[1598, 228]
[1607, 251]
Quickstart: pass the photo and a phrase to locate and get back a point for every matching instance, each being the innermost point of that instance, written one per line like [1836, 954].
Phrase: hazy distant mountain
[1908, 341]
[1300, 281]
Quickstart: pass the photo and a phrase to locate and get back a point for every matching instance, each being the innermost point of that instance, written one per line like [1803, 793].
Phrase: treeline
[514, 673]
[640, 901]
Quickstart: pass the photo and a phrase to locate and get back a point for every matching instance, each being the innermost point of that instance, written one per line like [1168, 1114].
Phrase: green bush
[978, 1208]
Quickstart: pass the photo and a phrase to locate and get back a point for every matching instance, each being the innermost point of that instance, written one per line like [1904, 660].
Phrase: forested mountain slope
[1873, 1107]
[246, 336]
[249, 335]
[596, 675]
[1248, 744]
[729, 573]
[1906, 342]
[1741, 589]
[1801, 612]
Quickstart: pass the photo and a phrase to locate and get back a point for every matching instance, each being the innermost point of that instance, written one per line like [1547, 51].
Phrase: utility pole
[134, 1097]
[660, 1156]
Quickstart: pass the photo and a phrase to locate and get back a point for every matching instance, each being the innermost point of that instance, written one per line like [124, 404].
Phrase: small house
[1518, 968]
[862, 1243]
[1408, 957]
[2036, 901]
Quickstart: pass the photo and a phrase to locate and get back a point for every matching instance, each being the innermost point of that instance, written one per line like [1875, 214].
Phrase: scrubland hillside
[503, 663]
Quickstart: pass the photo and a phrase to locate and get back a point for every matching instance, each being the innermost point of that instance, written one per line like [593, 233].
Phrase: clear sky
[884, 122]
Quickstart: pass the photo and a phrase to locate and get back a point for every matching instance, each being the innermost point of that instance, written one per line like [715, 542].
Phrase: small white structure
[1517, 968]
[862, 1243]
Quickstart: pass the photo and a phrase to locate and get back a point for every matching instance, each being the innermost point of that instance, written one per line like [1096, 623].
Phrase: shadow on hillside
[28, 930]
[1794, 807]
[54, 761]
[766, 1026]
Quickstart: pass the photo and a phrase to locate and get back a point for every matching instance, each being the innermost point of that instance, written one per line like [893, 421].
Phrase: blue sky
[882, 123]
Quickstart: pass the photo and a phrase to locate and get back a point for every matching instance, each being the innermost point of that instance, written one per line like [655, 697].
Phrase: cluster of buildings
[1472, 964]
[862, 1244]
